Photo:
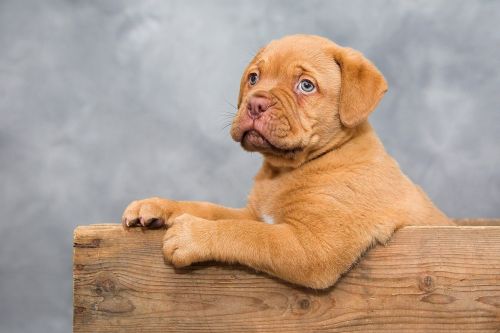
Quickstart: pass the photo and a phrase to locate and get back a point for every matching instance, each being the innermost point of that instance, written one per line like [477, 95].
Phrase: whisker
[227, 115]
[231, 104]
[226, 126]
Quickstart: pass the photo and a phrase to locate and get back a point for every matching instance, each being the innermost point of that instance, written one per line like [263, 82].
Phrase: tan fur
[326, 181]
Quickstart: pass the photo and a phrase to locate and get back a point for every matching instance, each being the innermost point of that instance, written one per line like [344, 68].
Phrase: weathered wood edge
[477, 222]
[462, 222]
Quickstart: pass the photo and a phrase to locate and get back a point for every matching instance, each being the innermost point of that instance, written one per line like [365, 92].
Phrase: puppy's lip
[253, 140]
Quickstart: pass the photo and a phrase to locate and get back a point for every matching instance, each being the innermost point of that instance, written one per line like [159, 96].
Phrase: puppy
[327, 190]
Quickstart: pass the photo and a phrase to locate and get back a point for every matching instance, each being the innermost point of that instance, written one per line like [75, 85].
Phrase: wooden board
[427, 279]
[478, 222]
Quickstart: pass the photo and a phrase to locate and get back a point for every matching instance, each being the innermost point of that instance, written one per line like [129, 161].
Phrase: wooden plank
[427, 279]
[478, 222]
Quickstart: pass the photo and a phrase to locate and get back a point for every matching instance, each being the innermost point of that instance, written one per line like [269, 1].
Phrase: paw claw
[153, 223]
[130, 223]
[149, 213]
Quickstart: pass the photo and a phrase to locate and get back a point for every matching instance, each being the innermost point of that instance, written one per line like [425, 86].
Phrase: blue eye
[253, 78]
[306, 86]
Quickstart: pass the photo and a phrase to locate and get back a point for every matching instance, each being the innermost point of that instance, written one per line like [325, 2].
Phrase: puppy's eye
[306, 86]
[253, 78]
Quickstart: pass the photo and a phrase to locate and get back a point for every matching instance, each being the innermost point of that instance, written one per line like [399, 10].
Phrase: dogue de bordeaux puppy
[327, 190]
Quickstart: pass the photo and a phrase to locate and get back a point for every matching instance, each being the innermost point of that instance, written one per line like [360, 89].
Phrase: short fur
[327, 189]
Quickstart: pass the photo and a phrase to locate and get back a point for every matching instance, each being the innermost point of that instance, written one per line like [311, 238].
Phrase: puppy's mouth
[252, 140]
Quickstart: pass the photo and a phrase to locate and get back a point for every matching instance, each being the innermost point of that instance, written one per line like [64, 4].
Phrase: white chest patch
[268, 219]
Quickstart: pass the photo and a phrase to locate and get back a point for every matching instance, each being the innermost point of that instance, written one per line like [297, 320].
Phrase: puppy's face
[293, 101]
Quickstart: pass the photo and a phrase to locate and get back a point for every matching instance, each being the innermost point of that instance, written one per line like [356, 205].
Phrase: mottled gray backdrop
[105, 101]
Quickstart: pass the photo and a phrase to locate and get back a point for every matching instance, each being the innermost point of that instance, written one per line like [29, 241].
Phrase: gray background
[102, 102]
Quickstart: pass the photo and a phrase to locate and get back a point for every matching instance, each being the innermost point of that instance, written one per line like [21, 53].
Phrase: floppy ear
[362, 86]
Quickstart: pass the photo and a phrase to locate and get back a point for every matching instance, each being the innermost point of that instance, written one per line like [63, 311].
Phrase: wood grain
[427, 279]
[478, 222]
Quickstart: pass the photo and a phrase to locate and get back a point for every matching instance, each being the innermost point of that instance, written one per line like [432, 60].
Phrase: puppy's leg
[290, 252]
[156, 212]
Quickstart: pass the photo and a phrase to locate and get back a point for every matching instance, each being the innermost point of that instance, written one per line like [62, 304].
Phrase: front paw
[182, 244]
[149, 213]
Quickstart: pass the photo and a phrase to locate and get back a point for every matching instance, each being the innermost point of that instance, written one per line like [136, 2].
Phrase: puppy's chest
[265, 199]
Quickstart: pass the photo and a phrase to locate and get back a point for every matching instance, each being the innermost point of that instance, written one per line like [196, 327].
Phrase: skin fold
[327, 189]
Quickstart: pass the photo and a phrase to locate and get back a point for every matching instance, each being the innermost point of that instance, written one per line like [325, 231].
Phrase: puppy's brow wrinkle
[304, 69]
[260, 64]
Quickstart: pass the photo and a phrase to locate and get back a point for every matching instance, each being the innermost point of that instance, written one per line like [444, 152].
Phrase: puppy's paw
[181, 243]
[149, 213]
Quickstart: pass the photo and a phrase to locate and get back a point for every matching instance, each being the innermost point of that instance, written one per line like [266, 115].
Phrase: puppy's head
[302, 94]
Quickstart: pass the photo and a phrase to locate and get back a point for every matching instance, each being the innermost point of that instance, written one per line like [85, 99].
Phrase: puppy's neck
[347, 147]
[343, 136]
